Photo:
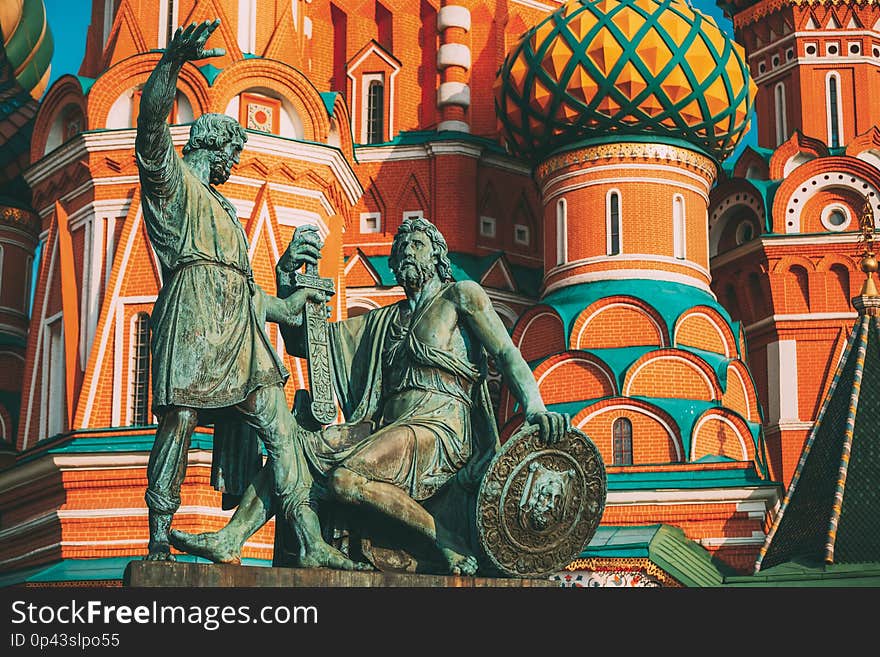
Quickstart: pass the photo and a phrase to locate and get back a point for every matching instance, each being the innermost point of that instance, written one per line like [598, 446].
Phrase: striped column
[454, 65]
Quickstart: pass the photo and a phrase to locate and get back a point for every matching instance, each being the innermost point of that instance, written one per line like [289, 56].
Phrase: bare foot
[210, 545]
[159, 551]
[321, 555]
[459, 564]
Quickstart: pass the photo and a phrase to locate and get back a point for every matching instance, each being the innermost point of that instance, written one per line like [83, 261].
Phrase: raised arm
[476, 307]
[157, 98]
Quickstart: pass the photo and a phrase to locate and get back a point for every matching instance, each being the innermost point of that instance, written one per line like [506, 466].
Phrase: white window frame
[413, 214]
[781, 118]
[608, 230]
[366, 80]
[679, 228]
[132, 361]
[54, 385]
[164, 28]
[561, 231]
[840, 138]
[528, 234]
[492, 225]
[826, 214]
[247, 26]
[365, 218]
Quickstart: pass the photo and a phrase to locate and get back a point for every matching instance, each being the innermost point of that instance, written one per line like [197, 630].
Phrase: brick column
[454, 64]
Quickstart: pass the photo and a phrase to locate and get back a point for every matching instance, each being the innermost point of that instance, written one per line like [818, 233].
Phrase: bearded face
[222, 162]
[415, 262]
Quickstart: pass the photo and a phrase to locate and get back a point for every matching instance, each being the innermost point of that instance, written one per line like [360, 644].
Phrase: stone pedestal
[145, 574]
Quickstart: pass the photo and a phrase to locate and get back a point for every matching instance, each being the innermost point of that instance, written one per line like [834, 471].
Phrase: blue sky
[69, 20]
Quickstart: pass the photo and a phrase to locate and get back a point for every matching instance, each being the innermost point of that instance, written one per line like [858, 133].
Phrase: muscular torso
[439, 327]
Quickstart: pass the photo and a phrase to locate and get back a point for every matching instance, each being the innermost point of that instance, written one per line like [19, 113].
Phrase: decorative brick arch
[866, 146]
[282, 79]
[656, 437]
[66, 91]
[628, 316]
[134, 71]
[574, 375]
[784, 264]
[728, 202]
[672, 373]
[720, 432]
[703, 327]
[819, 175]
[750, 159]
[797, 144]
[740, 394]
[342, 119]
[539, 332]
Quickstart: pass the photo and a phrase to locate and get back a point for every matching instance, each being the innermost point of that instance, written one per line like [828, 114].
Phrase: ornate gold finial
[869, 260]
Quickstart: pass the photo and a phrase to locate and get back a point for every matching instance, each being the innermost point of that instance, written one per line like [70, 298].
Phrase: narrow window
[613, 217]
[521, 234]
[561, 231]
[834, 109]
[622, 444]
[375, 110]
[678, 226]
[247, 25]
[54, 378]
[167, 21]
[139, 371]
[781, 122]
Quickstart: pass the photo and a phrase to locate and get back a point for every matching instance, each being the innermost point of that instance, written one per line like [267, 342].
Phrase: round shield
[539, 505]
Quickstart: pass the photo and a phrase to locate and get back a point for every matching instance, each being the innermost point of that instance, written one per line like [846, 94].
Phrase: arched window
[798, 294]
[781, 120]
[622, 442]
[139, 370]
[679, 234]
[612, 218]
[375, 112]
[561, 231]
[833, 109]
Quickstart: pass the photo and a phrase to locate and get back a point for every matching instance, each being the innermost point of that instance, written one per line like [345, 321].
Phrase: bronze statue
[212, 360]
[411, 381]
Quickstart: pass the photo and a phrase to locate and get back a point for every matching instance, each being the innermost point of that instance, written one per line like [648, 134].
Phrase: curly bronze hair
[213, 132]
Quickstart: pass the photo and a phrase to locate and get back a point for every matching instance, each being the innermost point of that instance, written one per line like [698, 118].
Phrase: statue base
[146, 574]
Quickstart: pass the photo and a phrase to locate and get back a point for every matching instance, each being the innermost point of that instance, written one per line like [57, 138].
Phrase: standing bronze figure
[212, 359]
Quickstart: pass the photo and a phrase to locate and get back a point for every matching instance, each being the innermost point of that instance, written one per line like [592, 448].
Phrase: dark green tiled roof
[667, 298]
[665, 546]
[830, 511]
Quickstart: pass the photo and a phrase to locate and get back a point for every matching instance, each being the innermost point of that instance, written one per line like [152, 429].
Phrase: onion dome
[28, 42]
[599, 68]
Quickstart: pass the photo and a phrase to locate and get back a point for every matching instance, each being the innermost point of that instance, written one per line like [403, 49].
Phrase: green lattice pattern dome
[594, 68]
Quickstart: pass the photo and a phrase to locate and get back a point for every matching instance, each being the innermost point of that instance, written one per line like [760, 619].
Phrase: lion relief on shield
[544, 497]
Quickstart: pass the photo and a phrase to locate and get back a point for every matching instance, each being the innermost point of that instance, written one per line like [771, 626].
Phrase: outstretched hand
[187, 44]
[551, 426]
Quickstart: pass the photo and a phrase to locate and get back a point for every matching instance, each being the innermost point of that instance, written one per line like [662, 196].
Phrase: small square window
[413, 214]
[371, 222]
[521, 234]
[855, 48]
[832, 48]
[487, 226]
